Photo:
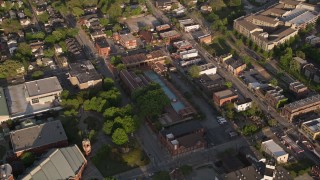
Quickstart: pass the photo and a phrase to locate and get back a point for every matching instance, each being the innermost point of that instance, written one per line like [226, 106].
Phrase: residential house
[169, 36]
[183, 138]
[313, 40]
[128, 41]
[58, 49]
[182, 45]
[164, 4]
[95, 34]
[223, 97]
[84, 75]
[243, 104]
[274, 150]
[102, 47]
[61, 61]
[60, 163]
[38, 138]
[148, 37]
[25, 22]
[163, 27]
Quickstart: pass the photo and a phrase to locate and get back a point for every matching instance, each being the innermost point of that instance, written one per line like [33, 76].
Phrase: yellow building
[311, 128]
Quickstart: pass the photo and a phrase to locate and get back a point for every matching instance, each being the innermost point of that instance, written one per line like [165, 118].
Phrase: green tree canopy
[107, 127]
[228, 84]
[9, 68]
[274, 82]
[249, 129]
[24, 49]
[150, 100]
[108, 84]
[127, 123]
[27, 158]
[194, 71]
[119, 137]
[37, 75]
[44, 17]
[11, 25]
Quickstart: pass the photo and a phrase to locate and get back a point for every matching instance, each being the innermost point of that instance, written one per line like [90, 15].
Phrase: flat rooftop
[37, 136]
[43, 86]
[19, 106]
[168, 34]
[225, 93]
[102, 42]
[84, 72]
[313, 125]
[303, 102]
[145, 21]
[182, 129]
[274, 148]
[127, 37]
[3, 104]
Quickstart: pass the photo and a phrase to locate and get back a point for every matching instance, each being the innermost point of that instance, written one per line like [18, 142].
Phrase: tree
[24, 49]
[108, 84]
[127, 123]
[121, 67]
[44, 17]
[249, 129]
[64, 94]
[104, 21]
[11, 26]
[116, 28]
[48, 53]
[113, 97]
[115, 11]
[286, 58]
[10, 68]
[107, 127]
[150, 100]
[272, 122]
[95, 104]
[37, 75]
[76, 11]
[194, 71]
[228, 84]
[27, 158]
[301, 54]
[274, 82]
[119, 137]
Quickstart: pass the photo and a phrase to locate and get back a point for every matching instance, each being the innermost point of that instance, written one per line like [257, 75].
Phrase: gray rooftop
[37, 136]
[274, 148]
[63, 163]
[43, 86]
[84, 71]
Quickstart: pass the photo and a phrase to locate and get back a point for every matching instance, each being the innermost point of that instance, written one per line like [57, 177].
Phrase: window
[34, 101]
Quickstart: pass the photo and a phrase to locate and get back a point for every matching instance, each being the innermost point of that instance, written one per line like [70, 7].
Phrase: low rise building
[211, 83]
[192, 53]
[163, 27]
[299, 89]
[84, 75]
[133, 81]
[38, 138]
[208, 69]
[275, 151]
[62, 163]
[102, 47]
[143, 59]
[302, 106]
[182, 45]
[168, 36]
[274, 97]
[188, 25]
[311, 128]
[205, 39]
[313, 40]
[223, 97]
[148, 37]
[128, 41]
[183, 138]
[243, 105]
[164, 4]
[235, 66]
[6, 172]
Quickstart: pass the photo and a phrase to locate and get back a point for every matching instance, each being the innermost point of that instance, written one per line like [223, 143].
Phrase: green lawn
[2, 151]
[110, 161]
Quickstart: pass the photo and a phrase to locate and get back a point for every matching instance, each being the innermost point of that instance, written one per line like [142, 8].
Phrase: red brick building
[128, 41]
[183, 138]
[102, 47]
[38, 138]
[220, 98]
[205, 39]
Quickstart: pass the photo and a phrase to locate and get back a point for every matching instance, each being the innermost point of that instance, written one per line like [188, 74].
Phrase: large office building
[277, 24]
[291, 110]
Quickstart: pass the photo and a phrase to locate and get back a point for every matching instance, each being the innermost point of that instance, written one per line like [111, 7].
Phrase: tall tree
[119, 136]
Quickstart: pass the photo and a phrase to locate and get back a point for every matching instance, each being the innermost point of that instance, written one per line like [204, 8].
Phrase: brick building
[62, 163]
[183, 138]
[312, 103]
[142, 59]
[299, 89]
[38, 138]
[205, 39]
[274, 97]
[235, 66]
[220, 98]
[128, 41]
[102, 47]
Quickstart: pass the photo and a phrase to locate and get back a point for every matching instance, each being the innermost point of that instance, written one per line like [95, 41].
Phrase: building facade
[274, 150]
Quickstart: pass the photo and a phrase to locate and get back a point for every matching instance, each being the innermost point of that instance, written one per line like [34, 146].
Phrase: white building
[274, 150]
[208, 69]
[313, 39]
[189, 25]
[243, 105]
[192, 53]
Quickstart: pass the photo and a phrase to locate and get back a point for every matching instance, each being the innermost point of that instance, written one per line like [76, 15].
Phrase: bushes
[37, 75]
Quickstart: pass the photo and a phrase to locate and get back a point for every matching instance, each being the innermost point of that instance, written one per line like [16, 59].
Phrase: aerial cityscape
[160, 89]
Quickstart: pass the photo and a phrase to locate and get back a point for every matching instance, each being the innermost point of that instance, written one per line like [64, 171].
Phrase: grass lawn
[110, 161]
[2, 151]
